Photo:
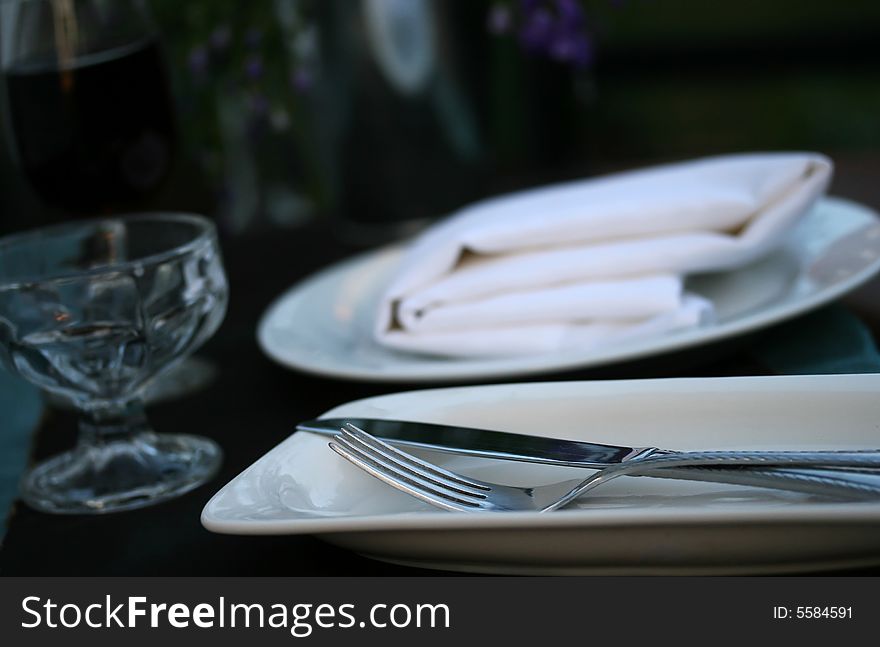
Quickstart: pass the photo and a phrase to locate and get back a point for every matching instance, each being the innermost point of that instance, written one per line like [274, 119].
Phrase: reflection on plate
[324, 324]
[632, 525]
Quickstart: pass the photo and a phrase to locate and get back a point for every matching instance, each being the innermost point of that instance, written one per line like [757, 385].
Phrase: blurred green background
[286, 114]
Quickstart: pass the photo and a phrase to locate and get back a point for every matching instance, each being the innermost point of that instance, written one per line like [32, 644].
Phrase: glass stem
[113, 422]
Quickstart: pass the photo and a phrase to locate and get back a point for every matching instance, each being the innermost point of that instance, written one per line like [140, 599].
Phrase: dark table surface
[254, 404]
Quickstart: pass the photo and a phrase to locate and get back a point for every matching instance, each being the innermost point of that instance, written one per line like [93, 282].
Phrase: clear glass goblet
[94, 311]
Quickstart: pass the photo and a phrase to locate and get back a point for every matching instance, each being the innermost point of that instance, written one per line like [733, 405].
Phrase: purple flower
[537, 30]
[221, 37]
[302, 79]
[574, 48]
[556, 29]
[499, 20]
[198, 60]
[571, 13]
[253, 67]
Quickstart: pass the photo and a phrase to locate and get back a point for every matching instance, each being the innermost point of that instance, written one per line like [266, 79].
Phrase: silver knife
[483, 442]
[502, 445]
[573, 453]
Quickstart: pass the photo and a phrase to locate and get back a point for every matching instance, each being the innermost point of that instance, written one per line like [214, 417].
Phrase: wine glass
[90, 114]
[88, 104]
[94, 311]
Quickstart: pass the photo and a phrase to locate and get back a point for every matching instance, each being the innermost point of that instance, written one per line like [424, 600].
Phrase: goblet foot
[121, 474]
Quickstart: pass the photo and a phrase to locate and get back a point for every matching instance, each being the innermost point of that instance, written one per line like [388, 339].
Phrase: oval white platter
[324, 324]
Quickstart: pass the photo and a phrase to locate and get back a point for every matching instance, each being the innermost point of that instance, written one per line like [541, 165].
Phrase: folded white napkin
[593, 261]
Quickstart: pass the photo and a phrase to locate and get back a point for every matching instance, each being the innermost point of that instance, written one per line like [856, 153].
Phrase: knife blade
[484, 443]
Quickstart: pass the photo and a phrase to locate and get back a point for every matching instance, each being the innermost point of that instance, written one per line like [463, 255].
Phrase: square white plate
[632, 525]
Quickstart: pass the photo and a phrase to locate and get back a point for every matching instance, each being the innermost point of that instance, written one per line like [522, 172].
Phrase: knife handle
[824, 482]
[856, 460]
[845, 458]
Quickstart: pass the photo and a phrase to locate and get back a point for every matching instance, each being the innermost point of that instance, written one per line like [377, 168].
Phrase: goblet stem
[119, 463]
[99, 424]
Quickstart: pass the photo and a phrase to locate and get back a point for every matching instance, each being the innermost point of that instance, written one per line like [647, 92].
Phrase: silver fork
[451, 491]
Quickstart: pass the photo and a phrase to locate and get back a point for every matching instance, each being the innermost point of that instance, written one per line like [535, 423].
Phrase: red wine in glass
[91, 119]
[89, 114]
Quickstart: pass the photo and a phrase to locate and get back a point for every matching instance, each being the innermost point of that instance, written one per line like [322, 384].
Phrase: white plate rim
[438, 521]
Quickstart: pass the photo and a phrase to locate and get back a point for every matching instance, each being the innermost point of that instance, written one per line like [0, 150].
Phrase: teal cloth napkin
[20, 409]
[830, 340]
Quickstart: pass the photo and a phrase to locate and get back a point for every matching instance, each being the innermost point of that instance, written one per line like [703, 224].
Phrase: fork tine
[449, 488]
[417, 464]
[395, 480]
